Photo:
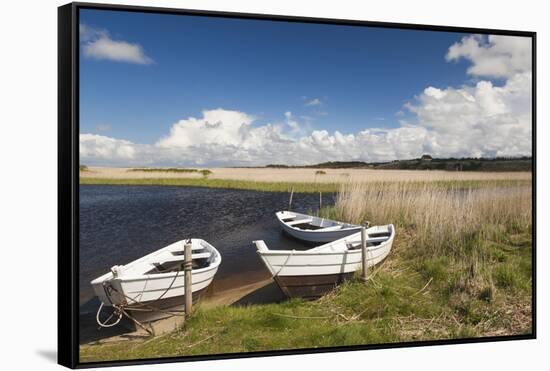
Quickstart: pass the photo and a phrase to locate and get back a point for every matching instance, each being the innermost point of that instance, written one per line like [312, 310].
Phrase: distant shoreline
[299, 180]
[426, 162]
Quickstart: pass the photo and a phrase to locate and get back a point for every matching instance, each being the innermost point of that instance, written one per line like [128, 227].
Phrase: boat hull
[310, 287]
[150, 289]
[312, 273]
[300, 263]
[315, 235]
[152, 279]
[156, 310]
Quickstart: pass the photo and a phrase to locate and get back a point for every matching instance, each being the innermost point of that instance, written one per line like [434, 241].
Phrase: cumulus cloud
[493, 56]
[218, 126]
[98, 44]
[294, 126]
[482, 119]
[102, 149]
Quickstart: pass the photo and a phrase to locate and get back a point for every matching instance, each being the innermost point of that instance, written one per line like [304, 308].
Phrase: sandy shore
[308, 175]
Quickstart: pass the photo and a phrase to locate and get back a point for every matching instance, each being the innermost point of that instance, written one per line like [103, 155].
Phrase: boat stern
[261, 246]
[262, 249]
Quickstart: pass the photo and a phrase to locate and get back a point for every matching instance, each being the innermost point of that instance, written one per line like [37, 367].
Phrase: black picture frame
[68, 180]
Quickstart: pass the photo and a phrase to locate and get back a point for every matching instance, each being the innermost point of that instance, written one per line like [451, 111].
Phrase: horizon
[275, 165]
[214, 92]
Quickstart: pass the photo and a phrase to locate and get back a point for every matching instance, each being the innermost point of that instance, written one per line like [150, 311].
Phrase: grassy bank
[300, 187]
[203, 172]
[460, 267]
[424, 299]
[218, 183]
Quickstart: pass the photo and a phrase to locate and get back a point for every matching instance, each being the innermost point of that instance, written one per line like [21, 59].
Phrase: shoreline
[297, 187]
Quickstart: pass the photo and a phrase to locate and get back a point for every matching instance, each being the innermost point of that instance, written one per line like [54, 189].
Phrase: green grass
[299, 187]
[218, 183]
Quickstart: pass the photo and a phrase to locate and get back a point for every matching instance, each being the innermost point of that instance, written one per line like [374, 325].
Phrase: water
[119, 224]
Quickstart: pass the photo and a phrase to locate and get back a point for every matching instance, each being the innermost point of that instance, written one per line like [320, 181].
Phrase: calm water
[121, 223]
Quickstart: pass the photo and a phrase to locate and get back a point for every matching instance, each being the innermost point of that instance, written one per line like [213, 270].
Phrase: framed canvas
[240, 185]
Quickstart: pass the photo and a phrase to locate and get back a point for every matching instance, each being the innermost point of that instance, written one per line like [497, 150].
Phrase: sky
[172, 90]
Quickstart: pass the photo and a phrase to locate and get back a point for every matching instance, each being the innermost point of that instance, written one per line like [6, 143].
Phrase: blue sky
[334, 78]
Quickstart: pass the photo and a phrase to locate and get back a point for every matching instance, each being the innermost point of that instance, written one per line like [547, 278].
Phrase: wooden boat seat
[331, 228]
[202, 255]
[370, 241]
[180, 258]
[179, 250]
[376, 239]
[300, 221]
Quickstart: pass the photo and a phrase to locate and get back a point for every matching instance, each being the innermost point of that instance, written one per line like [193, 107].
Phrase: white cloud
[314, 102]
[493, 56]
[88, 33]
[294, 126]
[98, 44]
[102, 149]
[219, 126]
[481, 120]
[484, 119]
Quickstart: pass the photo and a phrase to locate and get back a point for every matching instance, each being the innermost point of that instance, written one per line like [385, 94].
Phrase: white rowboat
[158, 276]
[312, 273]
[314, 229]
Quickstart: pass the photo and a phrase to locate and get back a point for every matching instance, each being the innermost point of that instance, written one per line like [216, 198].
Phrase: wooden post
[290, 200]
[320, 200]
[364, 254]
[187, 267]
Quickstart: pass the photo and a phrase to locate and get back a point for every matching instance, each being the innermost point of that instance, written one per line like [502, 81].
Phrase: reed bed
[444, 219]
[460, 235]
[162, 170]
[315, 176]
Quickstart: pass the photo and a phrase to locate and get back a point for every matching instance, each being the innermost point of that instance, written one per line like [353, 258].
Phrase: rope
[105, 323]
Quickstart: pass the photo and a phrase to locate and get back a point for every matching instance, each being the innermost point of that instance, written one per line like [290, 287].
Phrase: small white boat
[314, 272]
[158, 276]
[314, 229]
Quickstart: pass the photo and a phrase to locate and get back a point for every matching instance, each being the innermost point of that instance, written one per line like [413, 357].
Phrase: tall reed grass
[447, 221]
[459, 236]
